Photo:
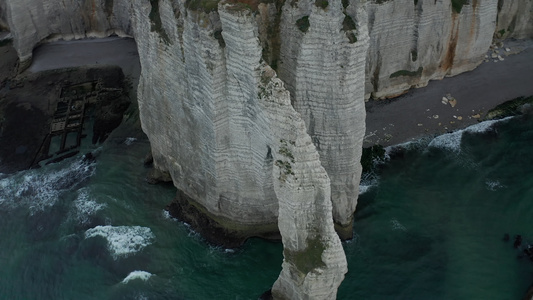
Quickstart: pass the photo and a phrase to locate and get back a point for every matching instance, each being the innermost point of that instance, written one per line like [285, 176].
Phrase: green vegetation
[156, 24]
[202, 5]
[457, 5]
[509, 108]
[501, 32]
[308, 259]
[6, 42]
[285, 166]
[303, 24]
[345, 3]
[348, 23]
[283, 150]
[218, 35]
[407, 73]
[321, 3]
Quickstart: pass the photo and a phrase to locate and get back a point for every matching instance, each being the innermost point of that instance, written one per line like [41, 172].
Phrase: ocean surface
[429, 225]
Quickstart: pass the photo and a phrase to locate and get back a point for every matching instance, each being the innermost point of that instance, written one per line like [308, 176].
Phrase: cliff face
[322, 64]
[220, 121]
[32, 22]
[201, 114]
[424, 40]
[3, 16]
[515, 19]
[256, 110]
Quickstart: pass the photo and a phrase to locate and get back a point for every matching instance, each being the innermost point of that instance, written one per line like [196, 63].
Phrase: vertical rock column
[314, 262]
[322, 61]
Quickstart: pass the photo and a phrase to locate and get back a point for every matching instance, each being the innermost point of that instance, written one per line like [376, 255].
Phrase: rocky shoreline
[449, 107]
[427, 111]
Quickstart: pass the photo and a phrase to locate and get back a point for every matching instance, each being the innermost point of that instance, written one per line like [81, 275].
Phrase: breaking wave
[452, 141]
[142, 275]
[123, 241]
[368, 181]
[84, 207]
[39, 190]
[129, 141]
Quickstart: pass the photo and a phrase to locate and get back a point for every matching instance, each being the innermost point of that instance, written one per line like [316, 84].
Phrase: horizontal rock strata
[256, 110]
[424, 40]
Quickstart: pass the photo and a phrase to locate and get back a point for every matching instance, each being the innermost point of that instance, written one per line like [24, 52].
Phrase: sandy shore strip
[422, 112]
[104, 51]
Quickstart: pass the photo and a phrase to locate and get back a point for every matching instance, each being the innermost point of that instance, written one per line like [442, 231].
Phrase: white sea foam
[84, 206]
[396, 225]
[368, 181]
[449, 141]
[129, 140]
[493, 185]
[123, 240]
[364, 188]
[452, 141]
[142, 275]
[166, 215]
[39, 190]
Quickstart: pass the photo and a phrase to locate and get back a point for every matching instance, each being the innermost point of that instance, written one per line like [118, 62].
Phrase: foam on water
[452, 141]
[40, 190]
[166, 215]
[396, 225]
[129, 140]
[142, 275]
[123, 240]
[84, 206]
[493, 185]
[368, 181]
[449, 141]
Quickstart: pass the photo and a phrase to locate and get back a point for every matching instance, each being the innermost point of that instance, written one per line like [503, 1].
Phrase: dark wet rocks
[29, 117]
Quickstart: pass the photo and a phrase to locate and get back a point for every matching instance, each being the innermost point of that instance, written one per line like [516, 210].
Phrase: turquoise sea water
[430, 227]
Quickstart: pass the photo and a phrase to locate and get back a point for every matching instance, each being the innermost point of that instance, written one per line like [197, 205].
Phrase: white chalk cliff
[256, 110]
